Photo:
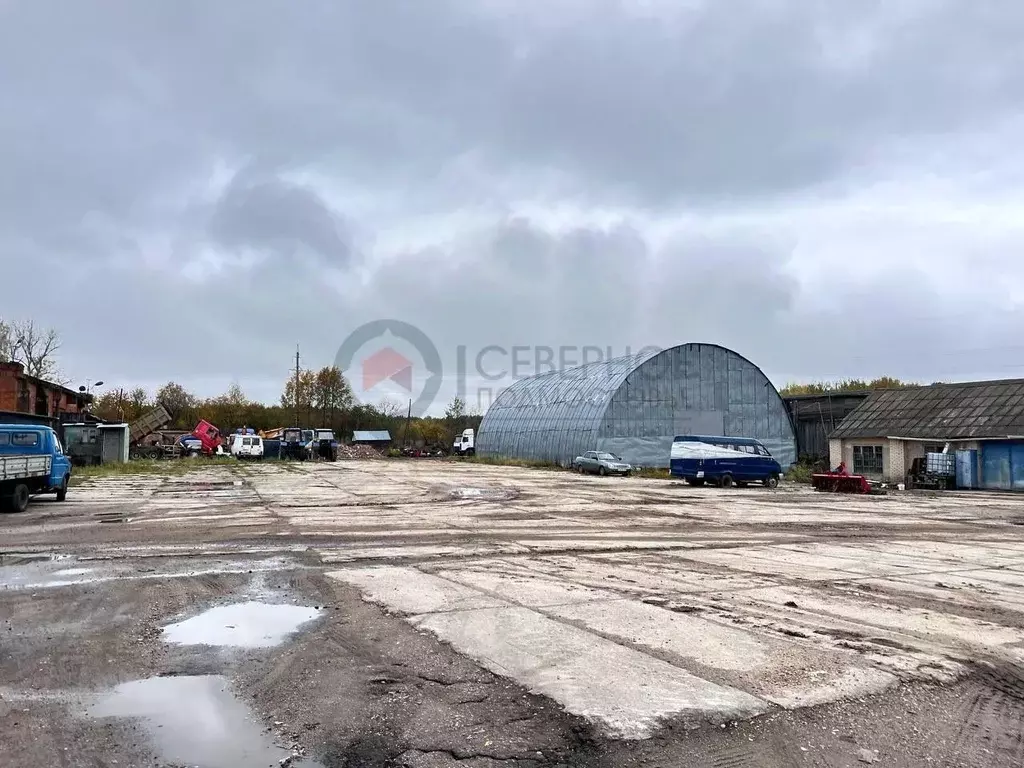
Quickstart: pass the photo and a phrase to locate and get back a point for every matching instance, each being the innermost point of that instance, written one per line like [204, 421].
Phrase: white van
[247, 446]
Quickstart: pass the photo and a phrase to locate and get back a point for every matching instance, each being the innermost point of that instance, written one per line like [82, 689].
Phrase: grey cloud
[714, 104]
[113, 114]
[279, 216]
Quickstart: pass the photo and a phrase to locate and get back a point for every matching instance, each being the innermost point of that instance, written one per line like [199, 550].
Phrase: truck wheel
[772, 482]
[62, 492]
[726, 481]
[19, 499]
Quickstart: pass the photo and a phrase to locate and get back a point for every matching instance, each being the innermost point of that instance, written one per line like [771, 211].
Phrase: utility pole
[296, 385]
[405, 432]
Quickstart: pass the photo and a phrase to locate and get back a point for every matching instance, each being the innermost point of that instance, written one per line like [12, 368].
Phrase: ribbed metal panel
[633, 406]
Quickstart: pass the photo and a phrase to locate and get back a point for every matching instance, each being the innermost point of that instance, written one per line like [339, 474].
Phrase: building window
[867, 459]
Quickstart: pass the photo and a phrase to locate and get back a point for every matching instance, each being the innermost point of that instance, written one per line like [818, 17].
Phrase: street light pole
[86, 389]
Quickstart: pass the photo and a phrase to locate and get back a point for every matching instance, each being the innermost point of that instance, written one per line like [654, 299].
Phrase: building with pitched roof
[881, 437]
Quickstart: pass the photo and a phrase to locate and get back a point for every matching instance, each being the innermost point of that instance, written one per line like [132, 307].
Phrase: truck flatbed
[21, 467]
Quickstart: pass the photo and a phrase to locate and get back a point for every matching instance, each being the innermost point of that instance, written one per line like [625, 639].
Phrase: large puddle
[195, 721]
[241, 625]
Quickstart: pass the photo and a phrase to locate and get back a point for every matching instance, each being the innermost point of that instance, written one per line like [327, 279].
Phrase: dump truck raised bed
[144, 426]
[32, 461]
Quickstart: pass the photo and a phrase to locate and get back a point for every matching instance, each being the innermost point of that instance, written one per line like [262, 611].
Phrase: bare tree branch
[35, 348]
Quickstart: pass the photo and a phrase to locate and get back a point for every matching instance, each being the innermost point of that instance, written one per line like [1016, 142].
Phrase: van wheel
[696, 482]
[772, 482]
[726, 481]
[62, 492]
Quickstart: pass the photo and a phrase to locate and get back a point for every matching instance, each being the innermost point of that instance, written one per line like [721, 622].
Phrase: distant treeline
[846, 385]
[324, 400]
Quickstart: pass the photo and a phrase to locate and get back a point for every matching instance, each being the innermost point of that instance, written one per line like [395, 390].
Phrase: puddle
[195, 721]
[42, 571]
[241, 625]
[488, 494]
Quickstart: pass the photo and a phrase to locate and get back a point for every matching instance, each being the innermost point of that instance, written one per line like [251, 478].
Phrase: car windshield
[608, 457]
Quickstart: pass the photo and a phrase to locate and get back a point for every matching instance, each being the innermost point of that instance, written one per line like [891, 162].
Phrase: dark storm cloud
[120, 120]
[277, 216]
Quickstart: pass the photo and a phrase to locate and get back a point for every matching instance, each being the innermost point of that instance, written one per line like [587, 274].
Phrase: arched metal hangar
[634, 405]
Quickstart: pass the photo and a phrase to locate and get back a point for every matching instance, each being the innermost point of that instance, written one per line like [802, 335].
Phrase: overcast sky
[832, 189]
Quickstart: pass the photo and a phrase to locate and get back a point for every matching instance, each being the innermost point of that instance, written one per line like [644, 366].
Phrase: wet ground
[406, 613]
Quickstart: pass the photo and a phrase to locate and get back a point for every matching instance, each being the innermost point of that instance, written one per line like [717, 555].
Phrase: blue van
[724, 461]
[32, 461]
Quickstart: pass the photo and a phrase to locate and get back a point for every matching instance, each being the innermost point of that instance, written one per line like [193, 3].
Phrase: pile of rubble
[358, 452]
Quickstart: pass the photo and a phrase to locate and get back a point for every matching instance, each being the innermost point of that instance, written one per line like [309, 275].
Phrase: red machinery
[838, 482]
[208, 435]
[204, 439]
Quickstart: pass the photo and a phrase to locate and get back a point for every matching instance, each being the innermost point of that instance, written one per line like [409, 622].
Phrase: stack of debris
[358, 452]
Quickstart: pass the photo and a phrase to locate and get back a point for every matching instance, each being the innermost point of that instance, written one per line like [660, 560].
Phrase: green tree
[331, 394]
[181, 403]
[845, 385]
[456, 410]
[304, 398]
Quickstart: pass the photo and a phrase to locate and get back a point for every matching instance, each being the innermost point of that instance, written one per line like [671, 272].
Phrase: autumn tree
[432, 431]
[175, 398]
[108, 406]
[331, 393]
[302, 403]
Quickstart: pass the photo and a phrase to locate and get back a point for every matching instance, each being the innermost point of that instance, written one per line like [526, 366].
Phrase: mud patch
[241, 625]
[195, 720]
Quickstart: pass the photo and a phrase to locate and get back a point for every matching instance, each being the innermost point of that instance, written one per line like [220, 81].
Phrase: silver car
[601, 463]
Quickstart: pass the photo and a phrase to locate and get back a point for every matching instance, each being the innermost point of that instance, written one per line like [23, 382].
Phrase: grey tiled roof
[940, 412]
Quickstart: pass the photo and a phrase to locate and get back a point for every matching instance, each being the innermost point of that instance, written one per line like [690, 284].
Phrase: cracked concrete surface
[634, 604]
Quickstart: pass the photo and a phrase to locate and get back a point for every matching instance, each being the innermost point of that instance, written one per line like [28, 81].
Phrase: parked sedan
[601, 463]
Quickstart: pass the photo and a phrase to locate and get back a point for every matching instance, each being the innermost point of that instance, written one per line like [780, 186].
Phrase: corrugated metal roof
[634, 405]
[940, 412]
[371, 436]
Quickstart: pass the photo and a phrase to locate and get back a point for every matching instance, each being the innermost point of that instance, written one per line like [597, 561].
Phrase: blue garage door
[1002, 466]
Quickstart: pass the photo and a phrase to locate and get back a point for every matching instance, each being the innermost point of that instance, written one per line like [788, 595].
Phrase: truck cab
[465, 444]
[32, 462]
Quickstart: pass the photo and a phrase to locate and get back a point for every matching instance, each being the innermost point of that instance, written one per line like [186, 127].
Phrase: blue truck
[32, 462]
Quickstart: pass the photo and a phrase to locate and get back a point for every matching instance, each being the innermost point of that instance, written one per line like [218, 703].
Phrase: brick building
[27, 394]
[892, 427]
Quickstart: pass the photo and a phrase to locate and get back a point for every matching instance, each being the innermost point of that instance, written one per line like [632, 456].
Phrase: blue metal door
[1002, 465]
